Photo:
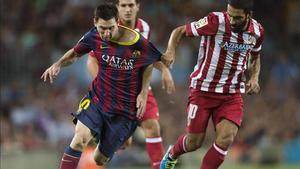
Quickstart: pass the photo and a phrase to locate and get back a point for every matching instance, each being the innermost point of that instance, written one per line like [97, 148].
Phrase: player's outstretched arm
[176, 36]
[254, 71]
[68, 58]
[166, 77]
[142, 97]
[92, 66]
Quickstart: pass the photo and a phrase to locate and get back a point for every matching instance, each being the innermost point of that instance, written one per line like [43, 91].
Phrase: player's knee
[151, 128]
[100, 159]
[79, 143]
[225, 140]
[193, 143]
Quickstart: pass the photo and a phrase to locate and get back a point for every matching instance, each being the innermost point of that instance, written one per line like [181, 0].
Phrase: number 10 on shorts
[192, 113]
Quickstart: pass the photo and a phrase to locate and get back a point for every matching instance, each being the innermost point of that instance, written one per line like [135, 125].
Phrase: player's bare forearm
[160, 66]
[68, 58]
[254, 69]
[166, 77]
[146, 80]
[52, 72]
[92, 66]
[142, 97]
[176, 37]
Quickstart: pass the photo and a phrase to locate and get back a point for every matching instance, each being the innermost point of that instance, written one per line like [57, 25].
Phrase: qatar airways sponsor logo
[236, 47]
[119, 63]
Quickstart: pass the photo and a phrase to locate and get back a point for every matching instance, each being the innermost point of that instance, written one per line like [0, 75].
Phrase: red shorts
[151, 108]
[202, 105]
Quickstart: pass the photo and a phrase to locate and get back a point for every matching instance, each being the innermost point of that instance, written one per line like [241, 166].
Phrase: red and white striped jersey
[143, 27]
[223, 54]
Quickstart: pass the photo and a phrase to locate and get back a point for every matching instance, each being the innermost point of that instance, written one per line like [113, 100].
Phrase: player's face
[238, 19]
[128, 10]
[107, 29]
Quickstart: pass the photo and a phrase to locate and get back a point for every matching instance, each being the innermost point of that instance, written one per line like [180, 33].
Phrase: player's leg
[227, 120]
[72, 153]
[115, 132]
[226, 132]
[99, 157]
[198, 111]
[154, 145]
[151, 129]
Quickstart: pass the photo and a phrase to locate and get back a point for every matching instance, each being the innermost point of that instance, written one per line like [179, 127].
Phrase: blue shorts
[111, 130]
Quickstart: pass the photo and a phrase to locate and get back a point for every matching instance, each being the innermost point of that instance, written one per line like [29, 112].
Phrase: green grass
[50, 160]
[236, 166]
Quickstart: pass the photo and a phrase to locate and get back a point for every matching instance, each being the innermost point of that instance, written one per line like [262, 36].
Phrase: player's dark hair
[246, 5]
[106, 12]
[117, 1]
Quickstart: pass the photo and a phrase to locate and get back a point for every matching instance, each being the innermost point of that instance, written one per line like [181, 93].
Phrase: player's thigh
[230, 109]
[197, 118]
[82, 135]
[151, 128]
[115, 133]
[199, 109]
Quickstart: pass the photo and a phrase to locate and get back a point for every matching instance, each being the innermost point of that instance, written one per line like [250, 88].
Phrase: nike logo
[104, 47]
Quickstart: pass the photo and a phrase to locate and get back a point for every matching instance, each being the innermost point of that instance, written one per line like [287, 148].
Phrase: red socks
[213, 158]
[155, 151]
[178, 148]
[70, 159]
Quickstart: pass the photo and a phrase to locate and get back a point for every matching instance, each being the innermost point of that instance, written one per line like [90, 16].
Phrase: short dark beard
[242, 27]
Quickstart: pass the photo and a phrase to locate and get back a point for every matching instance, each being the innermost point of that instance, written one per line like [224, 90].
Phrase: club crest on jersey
[136, 53]
[235, 47]
[119, 63]
[202, 22]
[251, 40]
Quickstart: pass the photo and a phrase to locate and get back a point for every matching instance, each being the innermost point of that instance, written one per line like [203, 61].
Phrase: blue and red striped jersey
[121, 66]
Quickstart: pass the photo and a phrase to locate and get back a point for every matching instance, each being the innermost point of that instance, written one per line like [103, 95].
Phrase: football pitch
[50, 160]
[233, 166]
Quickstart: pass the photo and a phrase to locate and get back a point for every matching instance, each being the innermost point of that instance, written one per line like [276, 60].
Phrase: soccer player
[227, 39]
[117, 96]
[128, 10]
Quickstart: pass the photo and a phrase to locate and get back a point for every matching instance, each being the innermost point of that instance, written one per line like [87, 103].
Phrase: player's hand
[167, 81]
[141, 104]
[168, 58]
[51, 72]
[252, 87]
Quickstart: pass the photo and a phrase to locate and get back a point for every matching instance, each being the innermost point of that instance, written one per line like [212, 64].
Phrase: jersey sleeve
[257, 47]
[149, 53]
[154, 53]
[204, 26]
[84, 45]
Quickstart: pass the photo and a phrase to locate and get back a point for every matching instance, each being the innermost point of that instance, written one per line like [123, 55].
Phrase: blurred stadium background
[35, 120]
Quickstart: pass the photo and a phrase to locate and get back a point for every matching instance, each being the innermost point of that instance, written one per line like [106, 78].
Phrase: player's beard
[239, 27]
